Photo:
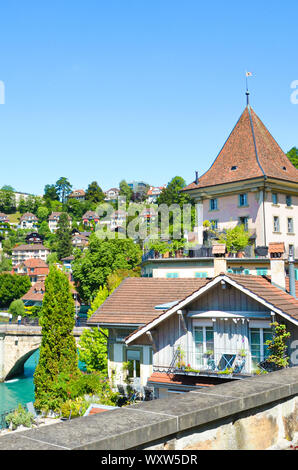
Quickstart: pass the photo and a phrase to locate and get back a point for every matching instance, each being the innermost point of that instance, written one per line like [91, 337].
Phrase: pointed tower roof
[249, 152]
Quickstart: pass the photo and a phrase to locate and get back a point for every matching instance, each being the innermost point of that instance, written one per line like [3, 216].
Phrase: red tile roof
[249, 152]
[32, 247]
[276, 247]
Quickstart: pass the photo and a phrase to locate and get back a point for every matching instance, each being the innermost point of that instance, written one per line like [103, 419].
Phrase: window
[172, 275]
[133, 357]
[274, 198]
[244, 221]
[200, 275]
[204, 341]
[288, 200]
[292, 250]
[262, 271]
[214, 224]
[243, 199]
[290, 225]
[258, 348]
[275, 224]
[234, 167]
[213, 204]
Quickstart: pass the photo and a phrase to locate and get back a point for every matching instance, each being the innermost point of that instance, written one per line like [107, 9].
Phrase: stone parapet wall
[255, 413]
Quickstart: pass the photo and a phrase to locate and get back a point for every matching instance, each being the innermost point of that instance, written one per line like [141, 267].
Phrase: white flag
[248, 74]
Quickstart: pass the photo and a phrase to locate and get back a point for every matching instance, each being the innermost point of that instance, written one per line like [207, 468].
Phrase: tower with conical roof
[251, 182]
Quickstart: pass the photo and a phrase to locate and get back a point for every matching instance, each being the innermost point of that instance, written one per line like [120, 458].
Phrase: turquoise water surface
[19, 389]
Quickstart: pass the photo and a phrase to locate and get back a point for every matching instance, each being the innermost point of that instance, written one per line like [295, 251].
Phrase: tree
[125, 190]
[278, 346]
[58, 352]
[5, 264]
[63, 188]
[12, 287]
[93, 350]
[116, 277]
[94, 193]
[50, 192]
[7, 201]
[293, 156]
[236, 239]
[42, 213]
[17, 308]
[63, 234]
[91, 269]
[172, 193]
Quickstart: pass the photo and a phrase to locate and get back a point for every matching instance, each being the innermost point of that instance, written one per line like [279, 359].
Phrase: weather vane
[247, 74]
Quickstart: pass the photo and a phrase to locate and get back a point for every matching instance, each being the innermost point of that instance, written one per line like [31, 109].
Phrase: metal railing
[220, 361]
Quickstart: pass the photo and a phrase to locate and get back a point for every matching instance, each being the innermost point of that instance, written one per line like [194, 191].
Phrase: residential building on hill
[78, 194]
[251, 182]
[54, 219]
[153, 193]
[112, 194]
[36, 268]
[23, 252]
[4, 218]
[90, 218]
[28, 220]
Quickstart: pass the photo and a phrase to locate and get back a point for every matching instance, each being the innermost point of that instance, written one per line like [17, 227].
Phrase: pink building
[251, 182]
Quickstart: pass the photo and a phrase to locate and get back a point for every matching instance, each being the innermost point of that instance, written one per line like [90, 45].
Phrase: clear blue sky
[137, 89]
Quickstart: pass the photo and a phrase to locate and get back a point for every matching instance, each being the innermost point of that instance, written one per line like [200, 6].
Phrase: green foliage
[17, 308]
[125, 190]
[293, 156]
[236, 238]
[278, 346]
[63, 234]
[20, 417]
[172, 193]
[50, 192]
[5, 264]
[63, 188]
[7, 201]
[58, 352]
[91, 269]
[94, 193]
[93, 350]
[42, 213]
[12, 287]
[101, 296]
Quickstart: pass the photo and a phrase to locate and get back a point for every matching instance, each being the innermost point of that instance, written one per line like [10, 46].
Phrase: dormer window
[234, 167]
[284, 168]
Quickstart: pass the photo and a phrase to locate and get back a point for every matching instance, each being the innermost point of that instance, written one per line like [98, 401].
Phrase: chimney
[292, 284]
[197, 177]
[219, 260]
[277, 265]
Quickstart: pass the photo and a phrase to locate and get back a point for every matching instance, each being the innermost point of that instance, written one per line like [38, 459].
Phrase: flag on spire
[248, 74]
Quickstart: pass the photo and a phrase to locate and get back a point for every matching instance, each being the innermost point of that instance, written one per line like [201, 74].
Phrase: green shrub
[20, 417]
[17, 308]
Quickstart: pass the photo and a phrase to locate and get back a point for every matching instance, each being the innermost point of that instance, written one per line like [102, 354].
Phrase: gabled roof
[249, 152]
[134, 301]
[255, 287]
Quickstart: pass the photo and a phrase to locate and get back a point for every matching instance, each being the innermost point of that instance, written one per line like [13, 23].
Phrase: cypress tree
[64, 246]
[58, 351]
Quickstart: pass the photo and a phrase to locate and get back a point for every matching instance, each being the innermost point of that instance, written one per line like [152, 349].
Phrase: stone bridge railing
[255, 413]
[17, 344]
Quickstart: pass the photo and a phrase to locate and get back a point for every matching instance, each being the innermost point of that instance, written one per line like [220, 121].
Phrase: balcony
[224, 363]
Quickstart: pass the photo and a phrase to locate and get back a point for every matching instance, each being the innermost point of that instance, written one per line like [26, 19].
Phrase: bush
[74, 408]
[20, 417]
[17, 308]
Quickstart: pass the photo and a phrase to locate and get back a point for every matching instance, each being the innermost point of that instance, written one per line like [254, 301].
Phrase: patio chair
[239, 366]
[226, 361]
[31, 409]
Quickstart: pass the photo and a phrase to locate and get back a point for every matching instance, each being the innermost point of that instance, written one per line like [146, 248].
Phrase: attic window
[234, 167]
[284, 168]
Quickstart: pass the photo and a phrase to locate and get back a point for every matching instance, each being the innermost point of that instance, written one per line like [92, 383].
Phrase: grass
[14, 218]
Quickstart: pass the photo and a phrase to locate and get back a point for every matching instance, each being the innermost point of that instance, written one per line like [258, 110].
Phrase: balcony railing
[218, 362]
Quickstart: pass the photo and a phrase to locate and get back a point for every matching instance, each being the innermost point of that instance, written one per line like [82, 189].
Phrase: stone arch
[18, 367]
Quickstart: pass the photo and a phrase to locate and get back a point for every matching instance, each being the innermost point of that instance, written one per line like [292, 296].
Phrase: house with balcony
[78, 194]
[90, 218]
[54, 220]
[28, 221]
[176, 335]
[21, 253]
[36, 268]
[252, 183]
[153, 193]
[112, 194]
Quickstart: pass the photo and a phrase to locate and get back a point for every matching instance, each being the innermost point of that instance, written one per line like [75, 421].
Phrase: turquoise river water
[19, 389]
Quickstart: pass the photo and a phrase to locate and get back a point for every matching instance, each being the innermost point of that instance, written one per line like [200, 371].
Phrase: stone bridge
[17, 344]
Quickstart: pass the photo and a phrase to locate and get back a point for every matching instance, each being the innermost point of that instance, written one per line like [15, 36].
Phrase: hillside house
[28, 221]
